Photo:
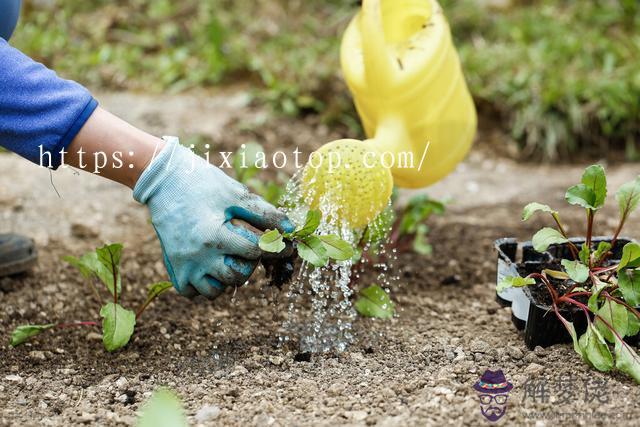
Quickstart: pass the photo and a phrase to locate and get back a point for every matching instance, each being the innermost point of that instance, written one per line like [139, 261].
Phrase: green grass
[562, 76]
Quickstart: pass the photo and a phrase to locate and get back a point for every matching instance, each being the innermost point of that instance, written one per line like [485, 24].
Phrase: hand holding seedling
[608, 293]
[192, 204]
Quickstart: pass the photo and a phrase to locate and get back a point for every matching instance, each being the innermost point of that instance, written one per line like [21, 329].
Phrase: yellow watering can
[405, 76]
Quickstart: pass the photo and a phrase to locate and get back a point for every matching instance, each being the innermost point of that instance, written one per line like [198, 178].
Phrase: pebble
[263, 420]
[479, 346]
[356, 415]
[515, 352]
[276, 360]
[533, 369]
[94, 336]
[121, 383]
[206, 413]
[37, 355]
[87, 417]
[14, 378]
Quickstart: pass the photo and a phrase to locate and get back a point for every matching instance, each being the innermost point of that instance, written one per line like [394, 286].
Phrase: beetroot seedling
[606, 292]
[118, 323]
[313, 248]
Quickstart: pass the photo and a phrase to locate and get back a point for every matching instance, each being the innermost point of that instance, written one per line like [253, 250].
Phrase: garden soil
[223, 357]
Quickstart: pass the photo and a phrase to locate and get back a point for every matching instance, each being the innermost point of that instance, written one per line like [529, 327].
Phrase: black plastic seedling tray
[540, 324]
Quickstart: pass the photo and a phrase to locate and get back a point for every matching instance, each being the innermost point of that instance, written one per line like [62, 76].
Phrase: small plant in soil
[314, 248]
[118, 323]
[606, 292]
[403, 230]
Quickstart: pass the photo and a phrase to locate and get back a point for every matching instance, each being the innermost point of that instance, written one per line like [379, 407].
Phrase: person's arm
[103, 135]
[192, 204]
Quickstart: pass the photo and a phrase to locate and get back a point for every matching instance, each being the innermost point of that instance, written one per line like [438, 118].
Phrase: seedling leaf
[627, 360]
[375, 302]
[336, 248]
[603, 248]
[271, 241]
[311, 224]
[313, 251]
[535, 207]
[514, 282]
[109, 256]
[156, 289]
[581, 195]
[615, 315]
[595, 349]
[630, 256]
[634, 324]
[585, 253]
[420, 243]
[22, 333]
[629, 283]
[546, 237]
[628, 197]
[81, 265]
[577, 271]
[595, 178]
[592, 191]
[163, 409]
[117, 326]
[89, 264]
[595, 295]
[560, 275]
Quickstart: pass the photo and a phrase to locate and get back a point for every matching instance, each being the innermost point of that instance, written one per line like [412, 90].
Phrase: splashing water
[320, 311]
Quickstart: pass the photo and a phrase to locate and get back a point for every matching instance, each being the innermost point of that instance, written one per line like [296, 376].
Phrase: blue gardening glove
[192, 204]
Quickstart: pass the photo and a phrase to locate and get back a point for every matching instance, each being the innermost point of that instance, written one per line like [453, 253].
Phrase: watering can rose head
[346, 180]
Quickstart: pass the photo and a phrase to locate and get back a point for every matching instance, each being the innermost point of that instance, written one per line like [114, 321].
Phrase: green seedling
[403, 230]
[118, 323]
[374, 301]
[314, 248]
[163, 409]
[607, 293]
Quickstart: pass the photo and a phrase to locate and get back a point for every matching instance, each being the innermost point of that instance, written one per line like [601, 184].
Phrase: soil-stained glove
[192, 204]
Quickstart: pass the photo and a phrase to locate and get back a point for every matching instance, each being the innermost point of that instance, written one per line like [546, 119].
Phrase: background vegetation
[560, 76]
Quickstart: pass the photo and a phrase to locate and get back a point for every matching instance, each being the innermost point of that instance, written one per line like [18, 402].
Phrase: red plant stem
[590, 216]
[143, 307]
[554, 294]
[619, 301]
[575, 294]
[114, 269]
[71, 325]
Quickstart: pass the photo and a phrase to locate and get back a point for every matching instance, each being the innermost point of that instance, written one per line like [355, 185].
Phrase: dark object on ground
[17, 254]
[303, 357]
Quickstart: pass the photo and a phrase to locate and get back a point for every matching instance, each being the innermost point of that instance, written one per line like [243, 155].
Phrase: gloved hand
[192, 204]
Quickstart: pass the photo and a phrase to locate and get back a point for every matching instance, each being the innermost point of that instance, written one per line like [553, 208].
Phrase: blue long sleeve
[40, 113]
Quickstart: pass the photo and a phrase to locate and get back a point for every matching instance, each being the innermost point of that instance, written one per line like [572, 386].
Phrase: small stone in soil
[303, 357]
[206, 413]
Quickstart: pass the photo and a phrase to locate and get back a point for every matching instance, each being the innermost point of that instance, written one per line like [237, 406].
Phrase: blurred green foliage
[562, 75]
[289, 46]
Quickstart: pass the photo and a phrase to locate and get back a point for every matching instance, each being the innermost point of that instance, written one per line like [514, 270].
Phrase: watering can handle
[378, 68]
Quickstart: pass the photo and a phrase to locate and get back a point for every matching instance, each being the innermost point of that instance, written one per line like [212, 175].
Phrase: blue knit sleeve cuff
[66, 140]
